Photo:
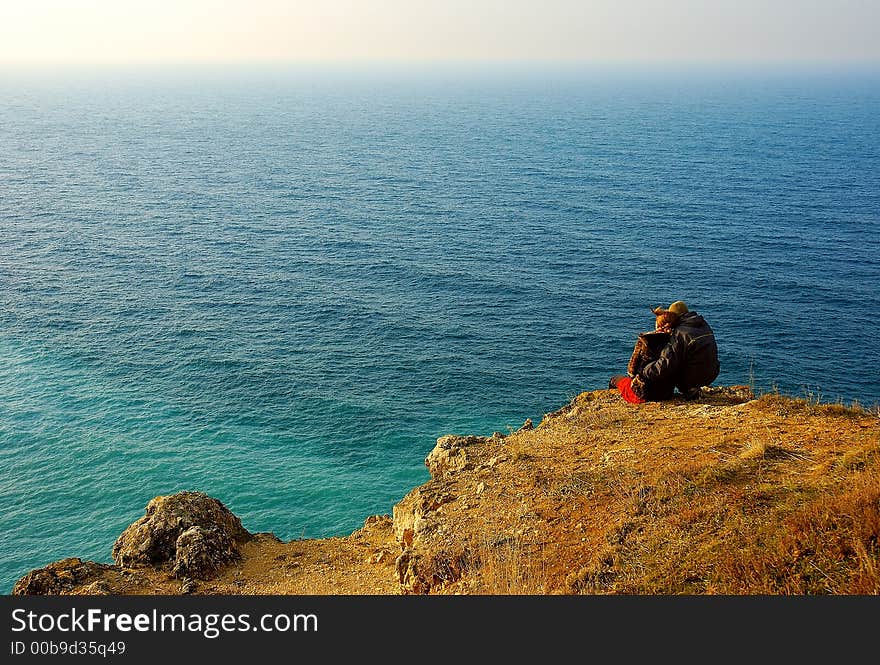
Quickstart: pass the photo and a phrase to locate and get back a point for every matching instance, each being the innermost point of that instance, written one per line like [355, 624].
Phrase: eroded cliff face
[725, 494]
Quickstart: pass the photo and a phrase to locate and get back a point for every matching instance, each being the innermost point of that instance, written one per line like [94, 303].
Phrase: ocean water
[280, 286]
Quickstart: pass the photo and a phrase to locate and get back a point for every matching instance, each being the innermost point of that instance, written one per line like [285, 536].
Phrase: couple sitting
[680, 353]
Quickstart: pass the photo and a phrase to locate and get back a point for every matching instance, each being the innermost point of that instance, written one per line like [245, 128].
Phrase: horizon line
[417, 62]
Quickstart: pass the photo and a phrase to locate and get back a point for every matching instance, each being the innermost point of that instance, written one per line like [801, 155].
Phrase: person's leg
[658, 392]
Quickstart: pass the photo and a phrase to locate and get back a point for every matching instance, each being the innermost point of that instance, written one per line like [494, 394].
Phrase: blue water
[279, 286]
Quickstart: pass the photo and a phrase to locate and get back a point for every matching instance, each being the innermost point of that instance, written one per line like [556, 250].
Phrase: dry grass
[741, 534]
[511, 566]
[858, 458]
[812, 405]
[518, 450]
[576, 483]
[840, 537]
[761, 516]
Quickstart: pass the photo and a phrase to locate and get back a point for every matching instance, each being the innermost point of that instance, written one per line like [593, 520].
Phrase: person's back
[687, 362]
[701, 366]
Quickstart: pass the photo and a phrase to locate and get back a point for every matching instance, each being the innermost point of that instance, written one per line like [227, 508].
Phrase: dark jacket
[688, 361]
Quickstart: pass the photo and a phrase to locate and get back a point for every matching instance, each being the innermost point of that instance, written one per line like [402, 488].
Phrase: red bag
[624, 386]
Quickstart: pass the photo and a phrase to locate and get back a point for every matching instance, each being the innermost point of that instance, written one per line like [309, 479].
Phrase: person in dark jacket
[687, 362]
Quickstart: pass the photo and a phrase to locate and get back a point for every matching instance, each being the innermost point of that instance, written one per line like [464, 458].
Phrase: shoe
[691, 394]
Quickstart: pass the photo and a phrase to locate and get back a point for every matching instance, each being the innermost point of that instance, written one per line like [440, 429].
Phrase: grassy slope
[771, 496]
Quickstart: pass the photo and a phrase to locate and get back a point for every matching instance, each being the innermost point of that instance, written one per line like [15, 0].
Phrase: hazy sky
[120, 31]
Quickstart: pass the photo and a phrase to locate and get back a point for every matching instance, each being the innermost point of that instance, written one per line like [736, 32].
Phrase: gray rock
[205, 531]
[59, 577]
[450, 454]
[200, 552]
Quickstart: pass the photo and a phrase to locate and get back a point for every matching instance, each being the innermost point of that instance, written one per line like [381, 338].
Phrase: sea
[279, 285]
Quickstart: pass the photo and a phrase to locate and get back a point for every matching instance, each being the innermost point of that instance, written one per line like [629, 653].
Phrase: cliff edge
[726, 494]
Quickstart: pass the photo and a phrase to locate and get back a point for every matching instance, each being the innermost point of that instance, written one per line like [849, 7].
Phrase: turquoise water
[279, 287]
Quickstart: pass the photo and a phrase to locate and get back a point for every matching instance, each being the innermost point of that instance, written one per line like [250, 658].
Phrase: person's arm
[666, 366]
[639, 357]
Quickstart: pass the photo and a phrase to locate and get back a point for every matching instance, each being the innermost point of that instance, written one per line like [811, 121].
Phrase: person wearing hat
[688, 361]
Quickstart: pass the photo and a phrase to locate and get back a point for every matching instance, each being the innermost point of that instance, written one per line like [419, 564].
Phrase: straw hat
[678, 308]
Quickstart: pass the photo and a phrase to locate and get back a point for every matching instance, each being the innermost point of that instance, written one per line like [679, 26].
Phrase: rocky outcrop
[200, 553]
[61, 577]
[420, 573]
[450, 454]
[192, 530]
[417, 515]
[412, 515]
